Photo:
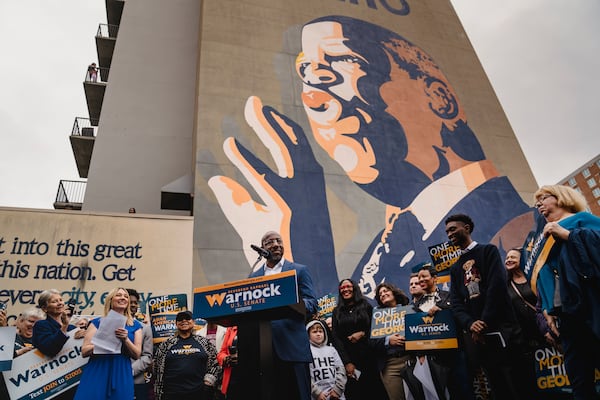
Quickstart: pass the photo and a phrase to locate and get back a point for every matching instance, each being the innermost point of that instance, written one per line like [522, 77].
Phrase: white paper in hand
[105, 341]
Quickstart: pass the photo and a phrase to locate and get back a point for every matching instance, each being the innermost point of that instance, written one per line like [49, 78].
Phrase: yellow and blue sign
[163, 310]
[443, 255]
[252, 294]
[425, 332]
[326, 305]
[389, 320]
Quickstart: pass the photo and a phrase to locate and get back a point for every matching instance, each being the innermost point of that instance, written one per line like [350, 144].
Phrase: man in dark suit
[291, 349]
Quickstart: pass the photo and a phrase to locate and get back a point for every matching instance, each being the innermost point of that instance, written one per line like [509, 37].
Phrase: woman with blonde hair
[109, 376]
[563, 263]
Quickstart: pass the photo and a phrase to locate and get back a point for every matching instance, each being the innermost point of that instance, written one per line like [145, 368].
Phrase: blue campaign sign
[162, 310]
[326, 305]
[253, 294]
[424, 332]
[7, 346]
[389, 320]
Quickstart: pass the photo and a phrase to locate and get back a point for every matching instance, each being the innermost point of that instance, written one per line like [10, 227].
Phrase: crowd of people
[544, 294]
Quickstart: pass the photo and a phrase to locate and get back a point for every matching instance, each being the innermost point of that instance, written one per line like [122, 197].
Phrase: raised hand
[292, 198]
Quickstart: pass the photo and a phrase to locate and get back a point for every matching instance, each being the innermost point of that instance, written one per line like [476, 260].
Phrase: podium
[251, 304]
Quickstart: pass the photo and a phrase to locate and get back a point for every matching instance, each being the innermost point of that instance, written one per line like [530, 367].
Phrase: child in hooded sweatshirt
[327, 372]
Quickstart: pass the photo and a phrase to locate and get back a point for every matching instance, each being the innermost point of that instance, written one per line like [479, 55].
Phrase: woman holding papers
[110, 342]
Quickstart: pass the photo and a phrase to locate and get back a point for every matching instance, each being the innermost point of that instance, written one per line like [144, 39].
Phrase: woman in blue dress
[109, 376]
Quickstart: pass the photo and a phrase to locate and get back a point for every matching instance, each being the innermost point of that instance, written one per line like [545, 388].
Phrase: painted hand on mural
[287, 196]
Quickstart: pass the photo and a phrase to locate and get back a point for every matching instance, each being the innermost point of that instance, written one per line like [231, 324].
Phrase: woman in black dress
[351, 326]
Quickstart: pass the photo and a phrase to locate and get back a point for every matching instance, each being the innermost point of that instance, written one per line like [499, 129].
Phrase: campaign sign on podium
[252, 304]
[247, 295]
[424, 332]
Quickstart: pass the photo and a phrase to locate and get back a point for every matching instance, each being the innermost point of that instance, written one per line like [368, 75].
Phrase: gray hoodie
[327, 371]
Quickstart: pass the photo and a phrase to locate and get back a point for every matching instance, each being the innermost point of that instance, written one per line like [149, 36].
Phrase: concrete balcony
[70, 195]
[106, 37]
[114, 10]
[83, 136]
[94, 92]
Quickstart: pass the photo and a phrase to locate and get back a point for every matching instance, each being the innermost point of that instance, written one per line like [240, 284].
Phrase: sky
[541, 56]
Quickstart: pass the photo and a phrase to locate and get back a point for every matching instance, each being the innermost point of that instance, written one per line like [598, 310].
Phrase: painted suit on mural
[383, 110]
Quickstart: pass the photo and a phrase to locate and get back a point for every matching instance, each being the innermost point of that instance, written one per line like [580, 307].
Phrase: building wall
[85, 255]
[146, 126]
[357, 175]
[586, 179]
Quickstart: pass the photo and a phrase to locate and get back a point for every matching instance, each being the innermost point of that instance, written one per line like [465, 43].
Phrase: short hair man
[291, 348]
[434, 299]
[414, 288]
[139, 366]
[482, 307]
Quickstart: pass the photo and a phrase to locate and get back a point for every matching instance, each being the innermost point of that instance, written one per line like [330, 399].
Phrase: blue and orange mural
[384, 111]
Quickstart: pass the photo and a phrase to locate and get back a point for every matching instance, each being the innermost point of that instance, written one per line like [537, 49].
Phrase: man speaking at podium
[291, 349]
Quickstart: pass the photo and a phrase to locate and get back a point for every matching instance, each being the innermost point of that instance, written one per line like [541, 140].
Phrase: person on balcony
[92, 73]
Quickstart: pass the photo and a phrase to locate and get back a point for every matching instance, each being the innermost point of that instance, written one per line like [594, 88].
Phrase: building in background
[352, 128]
[586, 179]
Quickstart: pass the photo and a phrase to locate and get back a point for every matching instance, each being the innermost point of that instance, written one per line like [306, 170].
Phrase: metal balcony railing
[83, 127]
[107, 31]
[71, 192]
[95, 74]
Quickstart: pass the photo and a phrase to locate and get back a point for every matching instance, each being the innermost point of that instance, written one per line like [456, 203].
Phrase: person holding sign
[433, 299]
[393, 358]
[450, 364]
[565, 259]
[351, 326]
[482, 307]
[109, 375]
[50, 334]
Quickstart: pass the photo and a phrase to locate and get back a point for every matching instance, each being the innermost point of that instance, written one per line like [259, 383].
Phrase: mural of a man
[384, 111]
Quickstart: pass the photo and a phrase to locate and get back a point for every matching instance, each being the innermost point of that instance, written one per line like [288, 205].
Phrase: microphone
[262, 252]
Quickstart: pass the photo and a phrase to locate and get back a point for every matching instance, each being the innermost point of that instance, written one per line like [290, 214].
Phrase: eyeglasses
[273, 241]
[539, 201]
[183, 320]
[345, 287]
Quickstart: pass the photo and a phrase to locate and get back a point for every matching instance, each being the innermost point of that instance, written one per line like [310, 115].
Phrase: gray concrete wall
[146, 127]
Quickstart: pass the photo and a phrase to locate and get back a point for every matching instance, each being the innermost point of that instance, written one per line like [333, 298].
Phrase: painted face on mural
[381, 108]
[331, 71]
